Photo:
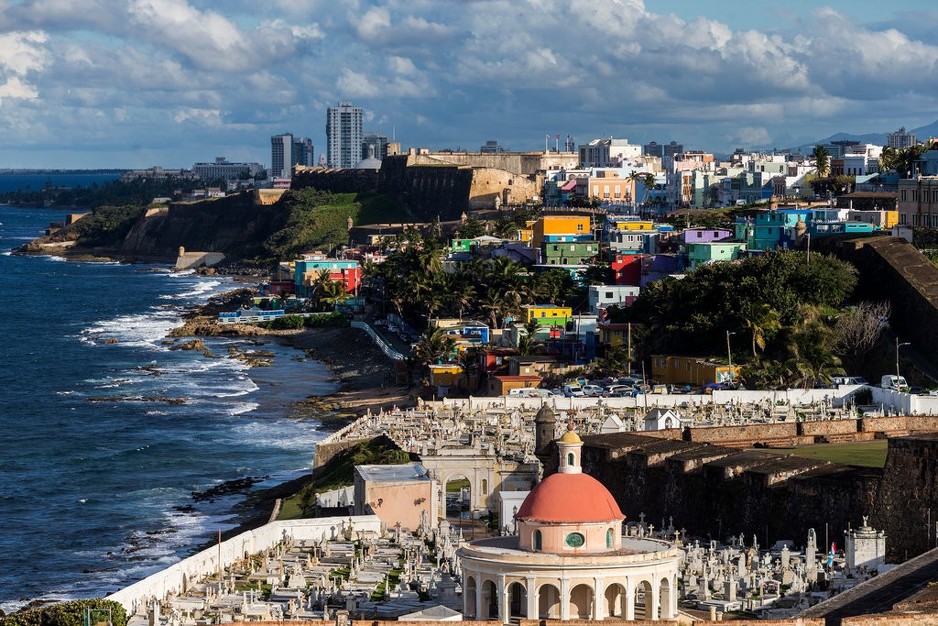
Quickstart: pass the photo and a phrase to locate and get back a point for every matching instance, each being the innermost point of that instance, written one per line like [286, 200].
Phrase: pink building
[397, 494]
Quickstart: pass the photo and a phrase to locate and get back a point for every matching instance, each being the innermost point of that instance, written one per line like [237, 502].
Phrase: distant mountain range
[923, 133]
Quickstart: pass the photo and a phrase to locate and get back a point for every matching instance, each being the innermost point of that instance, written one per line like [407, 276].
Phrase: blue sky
[135, 83]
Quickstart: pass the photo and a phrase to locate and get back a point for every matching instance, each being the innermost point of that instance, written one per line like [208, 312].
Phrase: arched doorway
[517, 600]
[644, 601]
[489, 601]
[664, 599]
[469, 597]
[615, 601]
[457, 494]
[581, 602]
[548, 602]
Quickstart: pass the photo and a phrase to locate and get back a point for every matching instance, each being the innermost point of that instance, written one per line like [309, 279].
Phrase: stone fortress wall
[721, 485]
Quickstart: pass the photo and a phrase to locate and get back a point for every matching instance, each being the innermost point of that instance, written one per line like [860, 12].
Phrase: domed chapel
[569, 559]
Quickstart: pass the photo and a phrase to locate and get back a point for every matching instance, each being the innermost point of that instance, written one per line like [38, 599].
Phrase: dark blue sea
[18, 181]
[95, 482]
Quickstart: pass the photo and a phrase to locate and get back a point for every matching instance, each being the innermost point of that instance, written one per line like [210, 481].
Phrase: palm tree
[906, 159]
[821, 161]
[762, 322]
[887, 160]
[434, 346]
[333, 292]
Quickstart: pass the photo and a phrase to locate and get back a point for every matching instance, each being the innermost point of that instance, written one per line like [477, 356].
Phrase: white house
[662, 419]
[604, 296]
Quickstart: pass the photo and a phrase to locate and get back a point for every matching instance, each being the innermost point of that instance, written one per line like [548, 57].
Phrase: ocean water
[35, 182]
[97, 468]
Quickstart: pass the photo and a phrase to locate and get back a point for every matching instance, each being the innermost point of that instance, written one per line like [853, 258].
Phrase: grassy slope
[319, 220]
[339, 471]
[863, 453]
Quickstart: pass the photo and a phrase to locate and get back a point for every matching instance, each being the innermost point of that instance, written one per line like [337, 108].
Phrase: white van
[894, 383]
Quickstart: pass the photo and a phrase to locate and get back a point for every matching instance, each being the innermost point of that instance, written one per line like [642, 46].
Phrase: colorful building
[308, 270]
[397, 494]
[628, 268]
[559, 228]
[689, 370]
[547, 314]
[569, 253]
[612, 334]
[467, 335]
[700, 253]
[501, 385]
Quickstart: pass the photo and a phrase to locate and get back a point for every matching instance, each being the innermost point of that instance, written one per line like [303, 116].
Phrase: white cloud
[16, 88]
[23, 52]
[447, 73]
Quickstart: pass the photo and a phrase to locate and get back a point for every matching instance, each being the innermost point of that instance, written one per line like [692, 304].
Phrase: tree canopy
[762, 298]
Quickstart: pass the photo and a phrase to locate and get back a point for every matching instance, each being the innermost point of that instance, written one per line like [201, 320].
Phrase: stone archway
[548, 602]
[664, 599]
[517, 600]
[616, 601]
[581, 602]
[458, 492]
[489, 608]
[469, 598]
[644, 601]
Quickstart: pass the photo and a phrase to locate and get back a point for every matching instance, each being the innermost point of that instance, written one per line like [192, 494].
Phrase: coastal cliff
[239, 226]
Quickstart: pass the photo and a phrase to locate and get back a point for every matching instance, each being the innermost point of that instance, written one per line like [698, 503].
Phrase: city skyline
[172, 82]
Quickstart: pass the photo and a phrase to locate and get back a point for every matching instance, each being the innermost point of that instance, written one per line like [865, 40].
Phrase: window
[609, 538]
[570, 461]
[575, 540]
[579, 228]
[537, 540]
[485, 487]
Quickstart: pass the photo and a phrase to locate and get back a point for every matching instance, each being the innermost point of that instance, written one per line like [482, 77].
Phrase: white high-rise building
[344, 135]
[901, 139]
[281, 156]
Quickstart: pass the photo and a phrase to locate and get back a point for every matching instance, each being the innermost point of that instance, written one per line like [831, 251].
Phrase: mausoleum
[569, 559]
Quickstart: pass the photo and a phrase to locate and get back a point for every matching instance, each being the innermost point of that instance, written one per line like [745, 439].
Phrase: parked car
[573, 391]
[849, 380]
[592, 391]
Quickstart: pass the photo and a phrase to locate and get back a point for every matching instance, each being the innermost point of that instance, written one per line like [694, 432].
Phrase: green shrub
[337, 320]
[287, 322]
[69, 614]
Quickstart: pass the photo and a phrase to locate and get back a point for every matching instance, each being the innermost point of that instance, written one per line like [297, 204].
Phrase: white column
[503, 599]
[654, 605]
[564, 599]
[478, 616]
[629, 599]
[599, 599]
[673, 598]
[532, 598]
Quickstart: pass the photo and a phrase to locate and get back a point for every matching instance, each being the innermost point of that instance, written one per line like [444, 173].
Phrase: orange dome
[569, 499]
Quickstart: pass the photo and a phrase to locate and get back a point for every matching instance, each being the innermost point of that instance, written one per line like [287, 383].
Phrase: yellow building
[613, 335]
[547, 314]
[557, 227]
[446, 375]
[635, 225]
[690, 370]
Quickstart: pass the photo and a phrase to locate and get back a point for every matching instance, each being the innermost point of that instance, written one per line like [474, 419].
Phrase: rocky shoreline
[363, 372]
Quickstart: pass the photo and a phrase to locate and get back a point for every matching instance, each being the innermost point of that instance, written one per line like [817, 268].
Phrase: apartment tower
[344, 135]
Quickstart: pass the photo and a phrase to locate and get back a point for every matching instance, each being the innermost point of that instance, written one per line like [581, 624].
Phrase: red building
[628, 269]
